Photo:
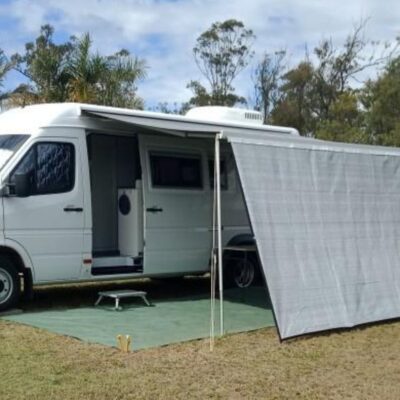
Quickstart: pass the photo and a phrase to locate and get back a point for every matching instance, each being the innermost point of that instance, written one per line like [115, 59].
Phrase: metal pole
[219, 233]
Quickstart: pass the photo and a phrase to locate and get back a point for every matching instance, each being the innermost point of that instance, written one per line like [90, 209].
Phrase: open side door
[177, 205]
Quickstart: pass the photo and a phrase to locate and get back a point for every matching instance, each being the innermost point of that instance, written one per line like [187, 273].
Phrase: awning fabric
[325, 216]
[326, 219]
[179, 125]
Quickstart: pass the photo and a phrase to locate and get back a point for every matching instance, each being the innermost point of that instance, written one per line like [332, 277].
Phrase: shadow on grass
[189, 288]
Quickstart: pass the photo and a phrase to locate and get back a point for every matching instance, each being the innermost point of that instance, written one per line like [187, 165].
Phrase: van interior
[115, 175]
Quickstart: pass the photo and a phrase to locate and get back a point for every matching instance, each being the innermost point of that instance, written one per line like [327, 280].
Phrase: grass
[357, 364]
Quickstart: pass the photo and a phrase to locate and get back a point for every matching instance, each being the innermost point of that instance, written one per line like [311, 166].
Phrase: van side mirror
[22, 185]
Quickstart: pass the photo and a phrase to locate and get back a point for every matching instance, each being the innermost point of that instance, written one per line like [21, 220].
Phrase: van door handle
[73, 209]
[154, 209]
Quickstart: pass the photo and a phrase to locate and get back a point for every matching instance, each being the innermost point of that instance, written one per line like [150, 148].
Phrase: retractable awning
[326, 219]
[167, 126]
[325, 216]
[180, 125]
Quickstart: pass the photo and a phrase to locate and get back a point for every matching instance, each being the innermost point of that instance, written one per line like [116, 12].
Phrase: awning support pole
[219, 233]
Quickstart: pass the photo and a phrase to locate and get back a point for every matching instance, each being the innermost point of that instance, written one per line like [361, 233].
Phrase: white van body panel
[178, 237]
[21, 251]
[52, 236]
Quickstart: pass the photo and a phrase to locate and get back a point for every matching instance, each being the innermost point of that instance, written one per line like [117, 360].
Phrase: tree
[71, 72]
[203, 98]
[118, 81]
[168, 108]
[311, 89]
[267, 78]
[337, 67]
[5, 67]
[381, 100]
[23, 95]
[294, 108]
[85, 71]
[345, 122]
[45, 65]
[221, 53]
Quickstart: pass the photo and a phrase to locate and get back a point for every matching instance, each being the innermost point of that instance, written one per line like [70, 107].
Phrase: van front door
[49, 223]
[177, 205]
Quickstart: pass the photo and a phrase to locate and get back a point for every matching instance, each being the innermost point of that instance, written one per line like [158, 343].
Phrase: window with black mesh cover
[51, 167]
[176, 171]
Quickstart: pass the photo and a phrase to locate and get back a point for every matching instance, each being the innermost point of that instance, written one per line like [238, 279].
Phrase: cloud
[163, 32]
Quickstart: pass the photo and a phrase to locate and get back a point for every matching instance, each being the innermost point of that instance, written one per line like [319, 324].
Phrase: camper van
[97, 193]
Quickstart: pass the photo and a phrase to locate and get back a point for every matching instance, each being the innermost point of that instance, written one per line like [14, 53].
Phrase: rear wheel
[241, 272]
[9, 284]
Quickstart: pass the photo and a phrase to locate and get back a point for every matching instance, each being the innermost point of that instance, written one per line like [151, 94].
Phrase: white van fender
[9, 245]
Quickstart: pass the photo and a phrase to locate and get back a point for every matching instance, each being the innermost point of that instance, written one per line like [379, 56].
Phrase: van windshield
[9, 144]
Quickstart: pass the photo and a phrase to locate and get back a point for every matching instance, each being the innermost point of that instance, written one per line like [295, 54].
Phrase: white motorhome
[94, 193]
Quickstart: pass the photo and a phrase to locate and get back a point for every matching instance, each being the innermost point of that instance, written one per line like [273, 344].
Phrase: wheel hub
[6, 285]
[244, 274]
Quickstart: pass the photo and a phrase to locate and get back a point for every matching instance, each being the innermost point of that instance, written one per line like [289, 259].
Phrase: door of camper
[49, 223]
[177, 204]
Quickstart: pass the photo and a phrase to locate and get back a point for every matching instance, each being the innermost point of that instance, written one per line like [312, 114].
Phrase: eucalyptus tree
[221, 53]
[319, 97]
[267, 78]
[381, 100]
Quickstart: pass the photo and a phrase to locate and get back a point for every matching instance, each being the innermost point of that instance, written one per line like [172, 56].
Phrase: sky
[163, 32]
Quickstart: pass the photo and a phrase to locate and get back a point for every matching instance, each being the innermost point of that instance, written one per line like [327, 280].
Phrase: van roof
[31, 118]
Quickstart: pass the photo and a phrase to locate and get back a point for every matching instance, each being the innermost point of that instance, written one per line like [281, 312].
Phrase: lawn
[361, 363]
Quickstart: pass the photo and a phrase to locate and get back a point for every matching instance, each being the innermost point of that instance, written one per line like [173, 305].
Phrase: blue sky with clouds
[164, 31]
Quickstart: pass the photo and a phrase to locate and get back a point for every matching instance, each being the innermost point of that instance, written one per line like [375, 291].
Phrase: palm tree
[104, 80]
[85, 72]
[119, 79]
[71, 72]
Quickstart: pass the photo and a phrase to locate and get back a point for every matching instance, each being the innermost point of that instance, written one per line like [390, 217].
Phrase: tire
[10, 288]
[241, 272]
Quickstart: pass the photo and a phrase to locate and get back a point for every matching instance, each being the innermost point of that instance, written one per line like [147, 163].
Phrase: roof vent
[226, 114]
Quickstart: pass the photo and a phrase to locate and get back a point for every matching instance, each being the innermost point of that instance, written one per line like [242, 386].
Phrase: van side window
[51, 167]
[176, 171]
[223, 172]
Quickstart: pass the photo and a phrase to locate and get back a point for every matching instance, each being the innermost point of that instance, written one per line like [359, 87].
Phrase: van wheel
[10, 287]
[241, 272]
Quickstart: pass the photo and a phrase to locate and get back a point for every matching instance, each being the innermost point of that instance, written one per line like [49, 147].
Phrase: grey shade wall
[327, 225]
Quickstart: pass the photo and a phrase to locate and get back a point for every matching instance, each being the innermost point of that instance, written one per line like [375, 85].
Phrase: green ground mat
[168, 321]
